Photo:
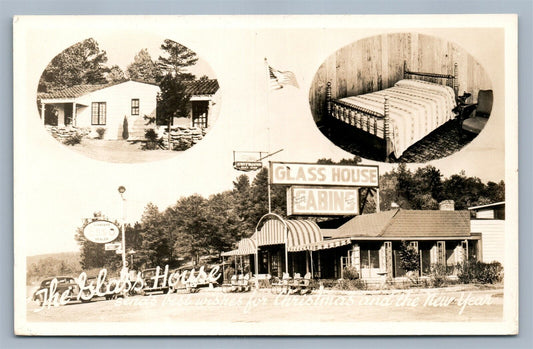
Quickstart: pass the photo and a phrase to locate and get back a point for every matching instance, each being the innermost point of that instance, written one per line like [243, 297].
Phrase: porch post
[286, 249]
[74, 115]
[388, 259]
[42, 111]
[256, 262]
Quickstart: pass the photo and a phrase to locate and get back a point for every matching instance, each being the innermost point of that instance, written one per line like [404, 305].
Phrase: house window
[98, 113]
[135, 106]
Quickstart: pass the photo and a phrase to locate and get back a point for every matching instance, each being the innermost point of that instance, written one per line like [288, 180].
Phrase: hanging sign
[101, 231]
[327, 201]
[317, 174]
[113, 246]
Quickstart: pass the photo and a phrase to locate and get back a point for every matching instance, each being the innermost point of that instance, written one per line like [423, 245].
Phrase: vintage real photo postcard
[266, 175]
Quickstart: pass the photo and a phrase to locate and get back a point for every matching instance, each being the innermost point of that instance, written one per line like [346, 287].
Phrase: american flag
[279, 78]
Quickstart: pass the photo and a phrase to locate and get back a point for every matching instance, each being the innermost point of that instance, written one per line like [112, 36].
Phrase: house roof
[407, 223]
[202, 87]
[74, 91]
[196, 87]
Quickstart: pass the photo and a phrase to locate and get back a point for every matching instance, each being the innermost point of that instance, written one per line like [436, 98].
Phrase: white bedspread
[416, 109]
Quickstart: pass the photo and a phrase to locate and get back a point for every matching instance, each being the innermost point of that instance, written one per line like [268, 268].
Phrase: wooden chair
[476, 115]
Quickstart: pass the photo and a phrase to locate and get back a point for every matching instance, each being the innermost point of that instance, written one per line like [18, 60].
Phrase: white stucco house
[106, 106]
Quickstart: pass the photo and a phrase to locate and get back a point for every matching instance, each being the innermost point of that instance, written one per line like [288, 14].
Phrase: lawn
[120, 151]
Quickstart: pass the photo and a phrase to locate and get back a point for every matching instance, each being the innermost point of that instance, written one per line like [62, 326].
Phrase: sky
[56, 188]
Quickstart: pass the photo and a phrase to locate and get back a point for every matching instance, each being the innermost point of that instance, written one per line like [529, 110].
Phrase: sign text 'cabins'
[101, 231]
[326, 201]
[315, 174]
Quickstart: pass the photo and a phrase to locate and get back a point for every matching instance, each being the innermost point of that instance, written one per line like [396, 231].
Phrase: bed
[403, 114]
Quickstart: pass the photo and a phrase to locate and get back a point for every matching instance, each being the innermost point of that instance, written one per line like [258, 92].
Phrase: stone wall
[63, 133]
[183, 137]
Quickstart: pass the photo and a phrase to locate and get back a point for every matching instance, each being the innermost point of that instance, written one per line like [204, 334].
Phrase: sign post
[121, 191]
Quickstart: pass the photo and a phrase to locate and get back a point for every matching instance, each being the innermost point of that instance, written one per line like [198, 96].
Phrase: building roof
[407, 223]
[495, 204]
[202, 87]
[194, 88]
[74, 91]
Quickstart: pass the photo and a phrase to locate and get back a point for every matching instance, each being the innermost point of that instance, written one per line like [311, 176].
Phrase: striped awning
[245, 247]
[300, 232]
[321, 245]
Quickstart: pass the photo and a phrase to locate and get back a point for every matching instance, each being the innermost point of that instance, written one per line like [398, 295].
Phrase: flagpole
[267, 71]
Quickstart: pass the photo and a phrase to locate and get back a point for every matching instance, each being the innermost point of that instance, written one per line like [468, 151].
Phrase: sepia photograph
[401, 97]
[266, 175]
[124, 114]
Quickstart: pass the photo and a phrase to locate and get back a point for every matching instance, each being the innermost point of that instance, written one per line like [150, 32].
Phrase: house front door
[369, 263]
[68, 113]
[199, 113]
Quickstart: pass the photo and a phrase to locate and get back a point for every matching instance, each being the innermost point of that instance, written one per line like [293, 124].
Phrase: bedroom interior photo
[401, 97]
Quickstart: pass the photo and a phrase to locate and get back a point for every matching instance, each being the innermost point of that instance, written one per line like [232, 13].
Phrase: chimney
[447, 205]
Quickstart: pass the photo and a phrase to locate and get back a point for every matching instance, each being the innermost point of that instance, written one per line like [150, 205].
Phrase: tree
[172, 101]
[155, 247]
[115, 74]
[81, 63]
[192, 238]
[143, 68]
[409, 257]
[94, 255]
[176, 60]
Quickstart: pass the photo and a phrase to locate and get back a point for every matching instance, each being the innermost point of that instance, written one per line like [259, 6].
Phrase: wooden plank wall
[376, 63]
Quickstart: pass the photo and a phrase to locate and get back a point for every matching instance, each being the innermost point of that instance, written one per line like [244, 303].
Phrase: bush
[125, 131]
[350, 273]
[183, 144]
[73, 139]
[152, 140]
[101, 132]
[484, 273]
[350, 285]
[438, 276]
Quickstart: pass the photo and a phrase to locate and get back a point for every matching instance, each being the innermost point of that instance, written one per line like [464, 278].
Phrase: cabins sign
[327, 201]
[323, 175]
[101, 231]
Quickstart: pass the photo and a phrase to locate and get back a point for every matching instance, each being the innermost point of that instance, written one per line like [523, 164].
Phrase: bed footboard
[363, 119]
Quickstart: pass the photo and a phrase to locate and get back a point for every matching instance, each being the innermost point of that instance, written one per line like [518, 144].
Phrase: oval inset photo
[131, 99]
[401, 97]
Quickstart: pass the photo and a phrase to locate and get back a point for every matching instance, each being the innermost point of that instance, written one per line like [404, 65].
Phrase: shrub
[101, 132]
[438, 276]
[328, 283]
[409, 257]
[183, 144]
[350, 285]
[350, 273]
[125, 131]
[152, 140]
[484, 273]
[73, 139]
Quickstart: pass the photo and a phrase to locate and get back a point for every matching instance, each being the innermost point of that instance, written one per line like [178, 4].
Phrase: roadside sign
[330, 201]
[324, 175]
[112, 246]
[101, 231]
